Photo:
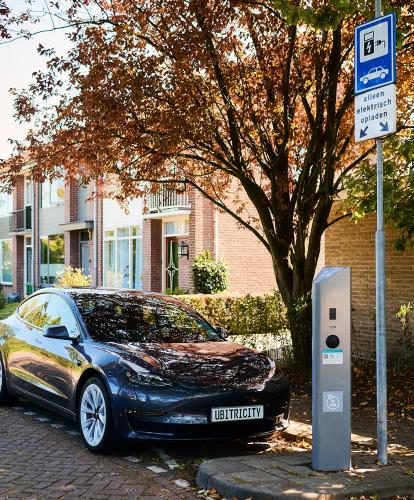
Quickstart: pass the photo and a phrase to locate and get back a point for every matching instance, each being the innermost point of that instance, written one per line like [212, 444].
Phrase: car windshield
[129, 317]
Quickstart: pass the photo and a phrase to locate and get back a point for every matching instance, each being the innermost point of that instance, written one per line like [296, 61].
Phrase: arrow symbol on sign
[363, 131]
[384, 127]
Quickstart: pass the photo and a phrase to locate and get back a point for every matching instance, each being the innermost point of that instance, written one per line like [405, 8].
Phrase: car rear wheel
[95, 416]
[5, 396]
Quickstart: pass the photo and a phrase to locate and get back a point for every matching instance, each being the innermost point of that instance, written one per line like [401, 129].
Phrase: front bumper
[181, 415]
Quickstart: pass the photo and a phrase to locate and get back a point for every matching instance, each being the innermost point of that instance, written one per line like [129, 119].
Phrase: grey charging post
[331, 369]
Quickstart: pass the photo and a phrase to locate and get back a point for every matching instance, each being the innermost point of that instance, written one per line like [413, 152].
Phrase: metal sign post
[375, 117]
[381, 344]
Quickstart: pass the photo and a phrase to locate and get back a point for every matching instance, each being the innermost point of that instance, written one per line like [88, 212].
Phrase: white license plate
[232, 413]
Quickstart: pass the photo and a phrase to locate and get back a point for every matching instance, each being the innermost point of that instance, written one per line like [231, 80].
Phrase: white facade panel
[115, 216]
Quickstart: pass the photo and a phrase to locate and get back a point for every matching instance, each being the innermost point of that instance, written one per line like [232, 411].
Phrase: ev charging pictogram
[375, 53]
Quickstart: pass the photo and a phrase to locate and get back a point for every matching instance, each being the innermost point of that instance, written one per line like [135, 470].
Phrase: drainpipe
[216, 234]
[35, 253]
[95, 235]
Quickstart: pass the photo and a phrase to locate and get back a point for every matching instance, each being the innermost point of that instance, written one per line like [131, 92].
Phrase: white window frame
[115, 238]
[28, 191]
[182, 222]
[1, 261]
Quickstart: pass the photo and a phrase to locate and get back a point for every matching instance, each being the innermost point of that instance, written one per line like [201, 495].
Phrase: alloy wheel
[93, 415]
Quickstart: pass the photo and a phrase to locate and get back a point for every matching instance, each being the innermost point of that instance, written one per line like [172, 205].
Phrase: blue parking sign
[375, 53]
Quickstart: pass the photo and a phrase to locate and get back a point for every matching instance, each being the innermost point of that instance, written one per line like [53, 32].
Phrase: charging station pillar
[331, 369]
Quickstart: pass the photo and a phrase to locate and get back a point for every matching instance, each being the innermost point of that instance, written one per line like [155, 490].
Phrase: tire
[95, 416]
[382, 76]
[365, 81]
[5, 396]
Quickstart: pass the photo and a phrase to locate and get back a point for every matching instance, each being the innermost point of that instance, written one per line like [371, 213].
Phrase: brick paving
[43, 457]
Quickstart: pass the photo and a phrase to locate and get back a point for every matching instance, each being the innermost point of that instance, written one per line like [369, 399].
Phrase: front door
[171, 270]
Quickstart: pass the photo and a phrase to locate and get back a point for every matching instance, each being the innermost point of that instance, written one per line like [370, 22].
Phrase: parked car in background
[128, 364]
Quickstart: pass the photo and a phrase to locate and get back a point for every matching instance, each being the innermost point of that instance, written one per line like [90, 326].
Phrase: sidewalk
[273, 475]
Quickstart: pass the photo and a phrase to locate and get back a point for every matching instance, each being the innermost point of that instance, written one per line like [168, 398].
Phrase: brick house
[44, 227]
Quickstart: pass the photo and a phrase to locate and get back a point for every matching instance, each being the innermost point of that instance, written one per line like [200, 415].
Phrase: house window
[53, 192]
[28, 192]
[123, 258]
[177, 227]
[6, 256]
[6, 204]
[52, 257]
[109, 260]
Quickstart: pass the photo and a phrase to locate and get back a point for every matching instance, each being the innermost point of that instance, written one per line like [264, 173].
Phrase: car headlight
[138, 375]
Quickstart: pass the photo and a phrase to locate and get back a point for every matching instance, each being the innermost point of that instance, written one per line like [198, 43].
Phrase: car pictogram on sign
[378, 72]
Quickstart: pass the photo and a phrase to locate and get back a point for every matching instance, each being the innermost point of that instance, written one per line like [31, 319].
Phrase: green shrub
[209, 275]
[242, 315]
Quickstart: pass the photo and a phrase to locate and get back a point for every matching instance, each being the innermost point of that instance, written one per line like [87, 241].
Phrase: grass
[7, 310]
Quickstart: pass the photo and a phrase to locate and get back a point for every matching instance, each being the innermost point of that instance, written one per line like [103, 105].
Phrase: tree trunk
[299, 314]
[296, 291]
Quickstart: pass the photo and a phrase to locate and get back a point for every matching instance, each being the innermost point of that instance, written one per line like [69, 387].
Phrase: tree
[398, 190]
[208, 94]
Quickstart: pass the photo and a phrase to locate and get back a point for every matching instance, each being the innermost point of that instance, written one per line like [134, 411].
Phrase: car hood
[222, 365]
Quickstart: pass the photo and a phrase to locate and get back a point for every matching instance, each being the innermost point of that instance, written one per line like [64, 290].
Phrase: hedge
[241, 315]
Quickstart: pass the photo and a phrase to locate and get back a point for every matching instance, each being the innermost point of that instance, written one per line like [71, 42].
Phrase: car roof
[99, 290]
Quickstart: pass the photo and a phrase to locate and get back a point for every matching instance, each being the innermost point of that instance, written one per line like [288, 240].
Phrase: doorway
[28, 266]
[172, 269]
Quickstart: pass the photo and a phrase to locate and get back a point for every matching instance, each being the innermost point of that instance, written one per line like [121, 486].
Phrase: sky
[19, 59]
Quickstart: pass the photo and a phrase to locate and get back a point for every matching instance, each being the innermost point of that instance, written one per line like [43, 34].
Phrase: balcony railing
[168, 199]
[21, 220]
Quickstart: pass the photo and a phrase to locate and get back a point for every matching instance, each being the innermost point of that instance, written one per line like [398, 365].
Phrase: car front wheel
[95, 416]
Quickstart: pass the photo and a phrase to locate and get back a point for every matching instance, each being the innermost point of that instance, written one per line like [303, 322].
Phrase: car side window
[60, 313]
[33, 310]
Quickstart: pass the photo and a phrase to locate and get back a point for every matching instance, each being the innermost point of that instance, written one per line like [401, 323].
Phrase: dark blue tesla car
[127, 364]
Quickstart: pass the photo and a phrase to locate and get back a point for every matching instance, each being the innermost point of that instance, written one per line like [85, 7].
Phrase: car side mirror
[57, 332]
[222, 332]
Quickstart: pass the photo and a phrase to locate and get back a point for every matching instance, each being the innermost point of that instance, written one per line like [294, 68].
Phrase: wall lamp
[183, 250]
